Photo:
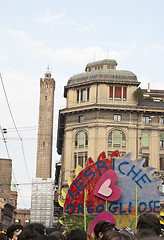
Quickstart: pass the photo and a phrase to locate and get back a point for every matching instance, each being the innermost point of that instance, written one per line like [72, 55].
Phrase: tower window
[83, 94]
[81, 118]
[145, 139]
[80, 158]
[88, 93]
[162, 140]
[161, 162]
[45, 97]
[117, 138]
[117, 117]
[111, 93]
[145, 119]
[118, 93]
[43, 144]
[162, 120]
[81, 139]
[146, 163]
[78, 95]
[124, 93]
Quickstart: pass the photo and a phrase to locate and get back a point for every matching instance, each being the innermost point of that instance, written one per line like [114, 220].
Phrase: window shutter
[88, 93]
[110, 138]
[124, 92]
[111, 92]
[161, 136]
[145, 139]
[117, 92]
[77, 95]
[116, 137]
[81, 138]
[123, 140]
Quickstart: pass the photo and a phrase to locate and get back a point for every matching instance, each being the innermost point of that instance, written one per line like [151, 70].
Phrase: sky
[66, 36]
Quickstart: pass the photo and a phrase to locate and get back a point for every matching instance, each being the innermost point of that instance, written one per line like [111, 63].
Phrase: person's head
[58, 234]
[37, 227]
[145, 234]
[46, 237]
[113, 235]
[149, 222]
[14, 231]
[28, 235]
[76, 234]
[101, 227]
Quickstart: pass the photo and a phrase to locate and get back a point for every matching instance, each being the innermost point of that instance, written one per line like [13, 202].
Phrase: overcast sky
[66, 35]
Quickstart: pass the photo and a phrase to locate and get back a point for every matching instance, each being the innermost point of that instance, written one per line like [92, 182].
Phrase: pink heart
[105, 190]
[102, 189]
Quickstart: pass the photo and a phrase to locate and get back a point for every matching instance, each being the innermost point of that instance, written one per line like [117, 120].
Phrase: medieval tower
[45, 129]
[42, 186]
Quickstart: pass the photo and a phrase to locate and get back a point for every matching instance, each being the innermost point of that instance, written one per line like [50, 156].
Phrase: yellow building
[102, 114]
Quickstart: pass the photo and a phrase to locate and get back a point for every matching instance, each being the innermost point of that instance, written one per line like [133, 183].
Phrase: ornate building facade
[102, 114]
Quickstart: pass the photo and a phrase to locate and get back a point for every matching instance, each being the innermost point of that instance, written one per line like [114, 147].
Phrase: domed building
[102, 114]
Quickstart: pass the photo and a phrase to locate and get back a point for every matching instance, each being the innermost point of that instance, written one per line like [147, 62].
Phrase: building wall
[99, 93]
[104, 119]
[98, 125]
[22, 216]
[13, 198]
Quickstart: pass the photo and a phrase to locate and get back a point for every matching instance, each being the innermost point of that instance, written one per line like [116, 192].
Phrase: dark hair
[28, 235]
[113, 235]
[150, 222]
[76, 234]
[103, 226]
[36, 227]
[46, 237]
[58, 234]
[12, 228]
[146, 233]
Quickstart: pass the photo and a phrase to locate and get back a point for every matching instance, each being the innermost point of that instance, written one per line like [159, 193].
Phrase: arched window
[81, 139]
[117, 138]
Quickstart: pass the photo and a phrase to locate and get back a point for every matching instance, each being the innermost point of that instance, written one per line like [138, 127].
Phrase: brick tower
[45, 129]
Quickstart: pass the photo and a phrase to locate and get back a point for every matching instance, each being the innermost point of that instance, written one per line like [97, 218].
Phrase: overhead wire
[19, 138]
[15, 126]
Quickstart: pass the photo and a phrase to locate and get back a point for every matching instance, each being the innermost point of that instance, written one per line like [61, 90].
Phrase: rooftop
[102, 62]
[103, 71]
[103, 75]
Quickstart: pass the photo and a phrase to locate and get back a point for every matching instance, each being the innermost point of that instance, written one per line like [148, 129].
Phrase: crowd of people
[148, 228]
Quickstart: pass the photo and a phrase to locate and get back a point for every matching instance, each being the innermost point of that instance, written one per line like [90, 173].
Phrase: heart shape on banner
[106, 188]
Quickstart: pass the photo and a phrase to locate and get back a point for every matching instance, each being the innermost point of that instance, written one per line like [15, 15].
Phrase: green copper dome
[102, 71]
[103, 75]
[102, 62]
